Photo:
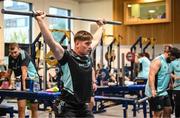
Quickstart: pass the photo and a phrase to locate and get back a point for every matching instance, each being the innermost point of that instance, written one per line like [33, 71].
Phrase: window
[17, 28]
[139, 12]
[59, 23]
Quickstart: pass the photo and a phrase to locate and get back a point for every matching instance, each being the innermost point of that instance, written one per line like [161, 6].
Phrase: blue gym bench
[117, 94]
[120, 100]
[41, 96]
[6, 109]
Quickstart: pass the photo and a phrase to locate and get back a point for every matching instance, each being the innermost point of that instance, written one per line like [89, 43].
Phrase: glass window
[144, 12]
[154, 10]
[17, 28]
[59, 23]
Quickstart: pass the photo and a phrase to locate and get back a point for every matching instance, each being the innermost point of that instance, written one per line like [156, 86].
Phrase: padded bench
[124, 101]
[6, 109]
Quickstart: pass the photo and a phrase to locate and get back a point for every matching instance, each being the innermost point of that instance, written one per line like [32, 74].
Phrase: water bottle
[36, 86]
[18, 83]
[29, 84]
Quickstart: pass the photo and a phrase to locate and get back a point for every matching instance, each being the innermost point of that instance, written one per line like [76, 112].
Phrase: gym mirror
[147, 12]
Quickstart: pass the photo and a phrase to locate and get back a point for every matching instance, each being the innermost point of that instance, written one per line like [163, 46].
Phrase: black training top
[77, 76]
[23, 59]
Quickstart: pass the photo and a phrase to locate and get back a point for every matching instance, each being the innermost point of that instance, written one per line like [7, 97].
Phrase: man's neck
[77, 52]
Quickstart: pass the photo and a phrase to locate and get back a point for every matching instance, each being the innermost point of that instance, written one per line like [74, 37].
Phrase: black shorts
[68, 110]
[30, 101]
[28, 87]
[177, 99]
[159, 102]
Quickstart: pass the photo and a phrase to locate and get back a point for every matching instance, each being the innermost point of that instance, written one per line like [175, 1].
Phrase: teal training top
[175, 67]
[162, 78]
[144, 73]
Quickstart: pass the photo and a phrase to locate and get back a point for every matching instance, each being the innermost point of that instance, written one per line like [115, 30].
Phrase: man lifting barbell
[77, 69]
[158, 80]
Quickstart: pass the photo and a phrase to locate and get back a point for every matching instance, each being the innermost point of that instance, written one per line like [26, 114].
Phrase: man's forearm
[24, 82]
[97, 37]
[151, 83]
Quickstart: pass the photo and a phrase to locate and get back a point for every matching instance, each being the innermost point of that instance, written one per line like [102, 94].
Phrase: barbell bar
[32, 14]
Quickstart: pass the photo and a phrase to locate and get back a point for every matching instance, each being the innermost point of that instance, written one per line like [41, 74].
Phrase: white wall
[96, 10]
[102, 9]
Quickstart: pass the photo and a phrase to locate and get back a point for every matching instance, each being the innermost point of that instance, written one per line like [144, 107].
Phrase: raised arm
[136, 58]
[154, 68]
[98, 34]
[55, 47]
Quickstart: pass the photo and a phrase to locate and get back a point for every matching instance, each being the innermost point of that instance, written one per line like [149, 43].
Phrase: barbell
[32, 14]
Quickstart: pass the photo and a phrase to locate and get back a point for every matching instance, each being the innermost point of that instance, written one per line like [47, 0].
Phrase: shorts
[158, 103]
[64, 109]
[176, 99]
[28, 86]
[29, 101]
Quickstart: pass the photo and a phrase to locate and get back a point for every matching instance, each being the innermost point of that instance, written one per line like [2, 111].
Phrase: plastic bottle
[18, 83]
[36, 86]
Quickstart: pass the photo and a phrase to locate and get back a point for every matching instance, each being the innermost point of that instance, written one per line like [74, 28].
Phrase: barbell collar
[32, 14]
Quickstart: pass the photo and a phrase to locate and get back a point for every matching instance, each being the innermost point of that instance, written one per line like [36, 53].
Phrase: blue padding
[30, 95]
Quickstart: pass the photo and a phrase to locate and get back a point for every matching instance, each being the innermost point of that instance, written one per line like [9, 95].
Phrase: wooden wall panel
[163, 32]
[176, 19]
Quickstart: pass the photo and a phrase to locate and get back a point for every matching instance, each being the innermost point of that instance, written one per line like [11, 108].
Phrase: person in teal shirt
[175, 69]
[144, 62]
[156, 87]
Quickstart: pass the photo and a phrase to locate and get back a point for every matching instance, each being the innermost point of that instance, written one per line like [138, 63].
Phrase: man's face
[84, 47]
[14, 53]
[170, 57]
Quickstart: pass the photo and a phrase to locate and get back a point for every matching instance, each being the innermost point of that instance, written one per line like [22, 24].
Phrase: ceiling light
[151, 11]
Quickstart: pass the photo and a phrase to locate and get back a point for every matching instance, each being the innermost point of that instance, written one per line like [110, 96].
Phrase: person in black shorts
[76, 67]
[158, 81]
[175, 74]
[21, 64]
